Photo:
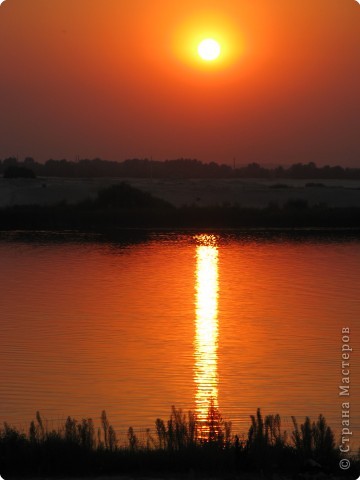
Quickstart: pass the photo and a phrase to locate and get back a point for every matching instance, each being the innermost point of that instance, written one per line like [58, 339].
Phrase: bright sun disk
[209, 49]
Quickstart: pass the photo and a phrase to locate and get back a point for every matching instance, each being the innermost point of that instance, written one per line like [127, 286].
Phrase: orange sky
[120, 78]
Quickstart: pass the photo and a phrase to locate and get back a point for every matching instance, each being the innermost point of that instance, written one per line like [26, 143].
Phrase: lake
[134, 327]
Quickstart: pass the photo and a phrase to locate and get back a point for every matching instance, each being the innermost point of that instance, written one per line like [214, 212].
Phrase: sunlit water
[207, 327]
[177, 320]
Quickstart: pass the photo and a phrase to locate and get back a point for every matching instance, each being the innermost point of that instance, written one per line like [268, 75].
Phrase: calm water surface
[177, 320]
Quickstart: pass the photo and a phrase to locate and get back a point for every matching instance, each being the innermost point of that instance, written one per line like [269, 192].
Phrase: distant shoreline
[124, 206]
[254, 231]
[64, 218]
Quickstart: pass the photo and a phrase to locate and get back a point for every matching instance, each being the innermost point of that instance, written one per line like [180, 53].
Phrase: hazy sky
[119, 79]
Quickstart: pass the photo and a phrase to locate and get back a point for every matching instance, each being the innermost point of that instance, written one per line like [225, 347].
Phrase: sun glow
[209, 49]
[208, 43]
[206, 340]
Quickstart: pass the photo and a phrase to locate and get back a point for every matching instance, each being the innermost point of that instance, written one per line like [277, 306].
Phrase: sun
[209, 49]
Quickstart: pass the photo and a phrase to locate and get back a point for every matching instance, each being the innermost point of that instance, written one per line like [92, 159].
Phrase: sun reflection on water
[206, 337]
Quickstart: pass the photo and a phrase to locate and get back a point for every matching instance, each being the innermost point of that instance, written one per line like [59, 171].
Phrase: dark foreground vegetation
[180, 445]
[179, 168]
[122, 206]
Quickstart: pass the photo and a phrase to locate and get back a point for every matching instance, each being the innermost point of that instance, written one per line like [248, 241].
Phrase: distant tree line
[180, 168]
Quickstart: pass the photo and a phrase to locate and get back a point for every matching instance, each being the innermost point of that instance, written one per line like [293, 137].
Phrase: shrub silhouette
[15, 171]
[124, 195]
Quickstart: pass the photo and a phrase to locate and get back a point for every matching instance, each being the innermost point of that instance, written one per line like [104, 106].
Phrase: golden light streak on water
[207, 330]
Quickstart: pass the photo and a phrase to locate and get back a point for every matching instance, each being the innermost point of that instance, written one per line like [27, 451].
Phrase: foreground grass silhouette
[182, 444]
